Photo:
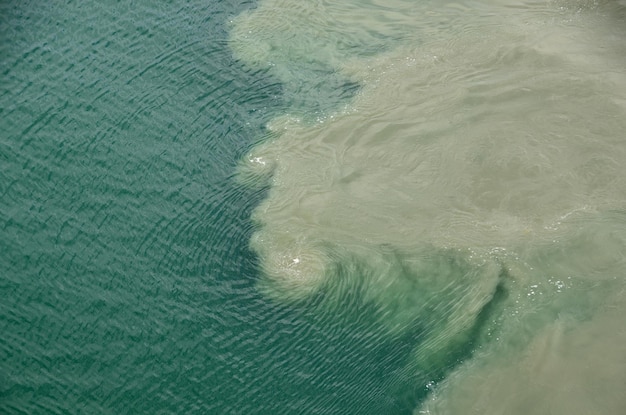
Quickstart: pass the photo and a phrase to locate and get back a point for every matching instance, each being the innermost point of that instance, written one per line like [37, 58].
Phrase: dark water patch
[124, 240]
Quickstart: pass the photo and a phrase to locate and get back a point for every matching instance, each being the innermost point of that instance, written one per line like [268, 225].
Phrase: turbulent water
[280, 207]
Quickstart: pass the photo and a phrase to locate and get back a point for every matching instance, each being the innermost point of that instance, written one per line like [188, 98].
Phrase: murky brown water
[491, 132]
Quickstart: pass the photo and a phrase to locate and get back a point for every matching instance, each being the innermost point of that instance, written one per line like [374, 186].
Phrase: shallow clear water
[283, 207]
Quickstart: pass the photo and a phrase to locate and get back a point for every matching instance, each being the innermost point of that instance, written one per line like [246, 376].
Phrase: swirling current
[286, 207]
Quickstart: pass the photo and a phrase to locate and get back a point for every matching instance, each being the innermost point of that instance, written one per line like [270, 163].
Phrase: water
[284, 207]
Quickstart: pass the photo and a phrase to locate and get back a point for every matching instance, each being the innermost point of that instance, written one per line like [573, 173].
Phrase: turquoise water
[128, 286]
[124, 243]
[151, 263]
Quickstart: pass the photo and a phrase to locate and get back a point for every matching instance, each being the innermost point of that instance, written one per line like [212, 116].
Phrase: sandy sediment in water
[493, 143]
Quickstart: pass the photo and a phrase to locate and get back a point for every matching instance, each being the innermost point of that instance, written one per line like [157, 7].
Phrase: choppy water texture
[356, 207]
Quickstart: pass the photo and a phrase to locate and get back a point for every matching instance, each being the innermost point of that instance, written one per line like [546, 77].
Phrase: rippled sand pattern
[474, 185]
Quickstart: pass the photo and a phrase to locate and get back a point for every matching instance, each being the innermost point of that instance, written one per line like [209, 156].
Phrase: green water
[280, 207]
[125, 277]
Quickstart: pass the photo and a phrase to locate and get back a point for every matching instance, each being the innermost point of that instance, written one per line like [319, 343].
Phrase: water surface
[284, 207]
